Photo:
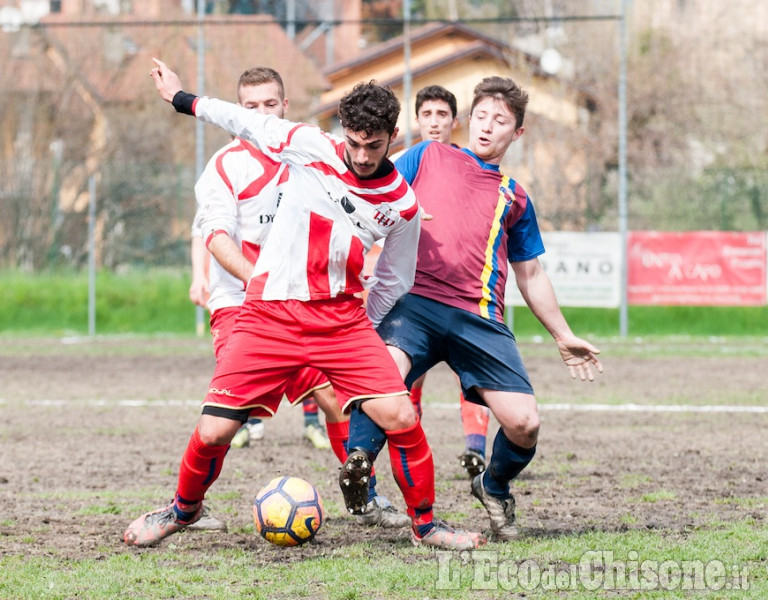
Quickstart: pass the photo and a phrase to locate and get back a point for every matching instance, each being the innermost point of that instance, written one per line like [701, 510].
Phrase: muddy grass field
[88, 428]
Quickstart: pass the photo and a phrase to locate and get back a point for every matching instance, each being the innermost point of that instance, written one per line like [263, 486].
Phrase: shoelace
[162, 518]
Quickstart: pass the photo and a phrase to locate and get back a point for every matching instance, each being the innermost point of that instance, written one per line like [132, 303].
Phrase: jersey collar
[481, 163]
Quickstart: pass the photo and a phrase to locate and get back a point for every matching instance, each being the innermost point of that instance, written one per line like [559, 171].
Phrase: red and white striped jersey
[328, 218]
[237, 194]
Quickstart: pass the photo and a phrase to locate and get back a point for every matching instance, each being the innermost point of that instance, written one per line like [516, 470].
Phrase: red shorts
[271, 342]
[297, 389]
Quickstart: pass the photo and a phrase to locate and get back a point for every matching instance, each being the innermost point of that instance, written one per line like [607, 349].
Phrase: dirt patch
[88, 428]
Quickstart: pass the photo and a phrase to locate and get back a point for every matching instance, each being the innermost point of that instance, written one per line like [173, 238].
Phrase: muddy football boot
[380, 513]
[151, 528]
[353, 480]
[472, 462]
[500, 510]
[444, 536]
[207, 522]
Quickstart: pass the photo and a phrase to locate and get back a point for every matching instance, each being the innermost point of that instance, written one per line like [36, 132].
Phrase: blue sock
[311, 410]
[254, 421]
[422, 530]
[507, 460]
[476, 442]
[184, 515]
[372, 488]
[365, 435]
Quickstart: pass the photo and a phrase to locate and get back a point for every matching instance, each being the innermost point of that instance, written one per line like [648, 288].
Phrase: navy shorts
[482, 353]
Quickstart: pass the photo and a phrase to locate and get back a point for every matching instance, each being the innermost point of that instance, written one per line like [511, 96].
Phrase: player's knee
[213, 439]
[525, 431]
[217, 431]
[399, 414]
[405, 415]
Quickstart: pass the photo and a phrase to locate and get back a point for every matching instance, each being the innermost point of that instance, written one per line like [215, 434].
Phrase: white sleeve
[282, 140]
[216, 204]
[395, 270]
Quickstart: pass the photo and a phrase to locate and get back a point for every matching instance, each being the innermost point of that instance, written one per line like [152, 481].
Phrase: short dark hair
[436, 92]
[506, 90]
[260, 76]
[369, 108]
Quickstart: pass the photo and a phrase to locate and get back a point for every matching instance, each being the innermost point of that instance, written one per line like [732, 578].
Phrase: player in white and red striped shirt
[302, 306]
[237, 196]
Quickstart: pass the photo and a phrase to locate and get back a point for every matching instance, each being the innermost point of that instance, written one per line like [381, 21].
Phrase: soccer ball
[288, 511]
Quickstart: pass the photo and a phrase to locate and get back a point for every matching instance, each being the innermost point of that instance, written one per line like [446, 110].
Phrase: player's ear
[394, 135]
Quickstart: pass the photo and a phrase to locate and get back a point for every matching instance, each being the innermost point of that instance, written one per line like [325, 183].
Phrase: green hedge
[655, 320]
[156, 301]
[139, 301]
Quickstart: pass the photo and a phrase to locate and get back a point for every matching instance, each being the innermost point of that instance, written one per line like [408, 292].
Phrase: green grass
[633, 564]
[693, 321]
[56, 303]
[156, 301]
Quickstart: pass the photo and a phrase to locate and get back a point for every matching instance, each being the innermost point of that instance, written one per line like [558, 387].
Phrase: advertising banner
[697, 268]
[585, 269]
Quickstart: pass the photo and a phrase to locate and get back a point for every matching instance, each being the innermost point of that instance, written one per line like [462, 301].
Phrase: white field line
[640, 408]
[130, 403]
[678, 408]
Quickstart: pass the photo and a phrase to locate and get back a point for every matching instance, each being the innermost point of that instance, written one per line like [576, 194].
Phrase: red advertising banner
[696, 268]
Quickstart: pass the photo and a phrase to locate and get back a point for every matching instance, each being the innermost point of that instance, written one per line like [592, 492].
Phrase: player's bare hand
[580, 356]
[199, 292]
[425, 216]
[166, 81]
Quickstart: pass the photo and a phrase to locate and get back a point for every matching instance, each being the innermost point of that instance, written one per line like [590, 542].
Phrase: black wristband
[183, 102]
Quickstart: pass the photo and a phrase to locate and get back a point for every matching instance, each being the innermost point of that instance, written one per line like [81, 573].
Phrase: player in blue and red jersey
[482, 220]
[436, 116]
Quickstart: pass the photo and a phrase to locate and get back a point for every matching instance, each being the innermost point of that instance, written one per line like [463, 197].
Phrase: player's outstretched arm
[167, 82]
[536, 288]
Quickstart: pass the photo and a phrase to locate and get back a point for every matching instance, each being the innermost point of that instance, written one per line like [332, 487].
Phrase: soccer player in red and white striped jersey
[237, 196]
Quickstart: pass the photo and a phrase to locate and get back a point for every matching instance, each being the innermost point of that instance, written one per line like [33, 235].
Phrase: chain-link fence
[76, 101]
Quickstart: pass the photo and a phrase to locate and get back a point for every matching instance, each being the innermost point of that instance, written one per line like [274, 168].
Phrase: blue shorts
[482, 353]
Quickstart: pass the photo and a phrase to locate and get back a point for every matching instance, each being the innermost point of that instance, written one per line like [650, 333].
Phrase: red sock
[338, 434]
[474, 418]
[416, 399]
[414, 471]
[309, 405]
[200, 467]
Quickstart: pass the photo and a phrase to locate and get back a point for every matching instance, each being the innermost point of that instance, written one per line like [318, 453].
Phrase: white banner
[585, 269]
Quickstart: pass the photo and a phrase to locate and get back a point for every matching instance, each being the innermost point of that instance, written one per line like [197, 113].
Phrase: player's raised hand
[166, 81]
[579, 355]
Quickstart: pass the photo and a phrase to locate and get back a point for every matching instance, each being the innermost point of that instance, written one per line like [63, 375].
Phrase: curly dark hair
[369, 108]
